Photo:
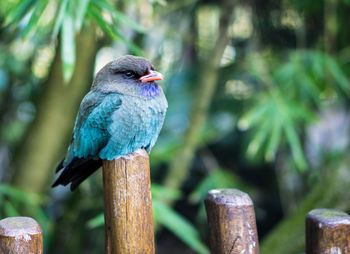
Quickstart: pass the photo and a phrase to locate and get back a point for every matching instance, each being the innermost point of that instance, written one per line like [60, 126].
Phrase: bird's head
[128, 75]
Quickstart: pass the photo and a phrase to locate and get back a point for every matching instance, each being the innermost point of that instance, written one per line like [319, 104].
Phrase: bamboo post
[20, 235]
[128, 205]
[231, 219]
[327, 232]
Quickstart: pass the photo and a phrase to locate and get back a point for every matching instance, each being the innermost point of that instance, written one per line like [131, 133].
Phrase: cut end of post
[19, 227]
[327, 231]
[329, 217]
[232, 197]
[20, 235]
[139, 152]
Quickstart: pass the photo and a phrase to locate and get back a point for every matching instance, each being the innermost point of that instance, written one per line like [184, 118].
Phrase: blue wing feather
[90, 132]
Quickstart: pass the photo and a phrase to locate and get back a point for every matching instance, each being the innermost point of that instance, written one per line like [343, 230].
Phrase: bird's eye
[129, 74]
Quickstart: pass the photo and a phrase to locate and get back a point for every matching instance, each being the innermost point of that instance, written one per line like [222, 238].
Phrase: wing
[89, 136]
[90, 133]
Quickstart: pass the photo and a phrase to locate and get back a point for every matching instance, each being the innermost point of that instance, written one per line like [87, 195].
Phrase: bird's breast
[139, 115]
[136, 124]
[141, 110]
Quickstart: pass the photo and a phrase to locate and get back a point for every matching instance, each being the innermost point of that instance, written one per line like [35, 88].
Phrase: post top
[19, 226]
[329, 217]
[139, 152]
[232, 197]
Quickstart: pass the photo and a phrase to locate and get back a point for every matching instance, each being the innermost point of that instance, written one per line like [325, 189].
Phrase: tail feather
[76, 172]
[60, 166]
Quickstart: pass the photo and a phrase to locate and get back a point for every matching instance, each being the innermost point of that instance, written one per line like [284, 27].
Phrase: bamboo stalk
[128, 205]
[327, 232]
[231, 219]
[20, 235]
[205, 90]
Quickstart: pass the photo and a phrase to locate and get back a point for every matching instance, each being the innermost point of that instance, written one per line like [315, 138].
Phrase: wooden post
[128, 205]
[327, 232]
[20, 235]
[232, 225]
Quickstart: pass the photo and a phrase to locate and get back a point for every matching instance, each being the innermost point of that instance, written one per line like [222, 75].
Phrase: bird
[123, 112]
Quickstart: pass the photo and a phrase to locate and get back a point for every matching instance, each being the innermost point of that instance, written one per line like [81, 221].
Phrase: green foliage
[96, 14]
[38, 8]
[19, 196]
[311, 75]
[70, 17]
[68, 45]
[15, 202]
[82, 7]
[183, 229]
[167, 217]
[97, 221]
[18, 11]
[280, 111]
[104, 5]
[160, 192]
[217, 179]
[273, 117]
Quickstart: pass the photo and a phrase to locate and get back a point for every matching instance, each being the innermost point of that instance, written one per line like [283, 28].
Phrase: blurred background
[258, 96]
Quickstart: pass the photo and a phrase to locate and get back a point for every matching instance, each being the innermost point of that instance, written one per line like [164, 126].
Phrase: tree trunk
[205, 89]
[49, 133]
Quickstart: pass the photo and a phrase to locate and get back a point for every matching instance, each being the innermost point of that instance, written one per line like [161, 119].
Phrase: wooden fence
[232, 227]
[129, 222]
[232, 230]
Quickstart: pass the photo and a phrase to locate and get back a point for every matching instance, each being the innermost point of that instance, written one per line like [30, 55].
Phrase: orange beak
[152, 76]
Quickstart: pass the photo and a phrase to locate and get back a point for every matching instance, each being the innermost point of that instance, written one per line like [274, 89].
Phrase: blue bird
[124, 111]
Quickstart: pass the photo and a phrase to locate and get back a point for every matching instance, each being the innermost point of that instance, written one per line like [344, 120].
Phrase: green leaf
[68, 46]
[285, 72]
[179, 226]
[59, 18]
[111, 31]
[254, 115]
[103, 4]
[19, 11]
[105, 26]
[259, 138]
[160, 192]
[310, 87]
[318, 65]
[81, 11]
[97, 221]
[20, 195]
[297, 151]
[274, 140]
[10, 210]
[338, 74]
[300, 112]
[132, 46]
[217, 179]
[34, 18]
